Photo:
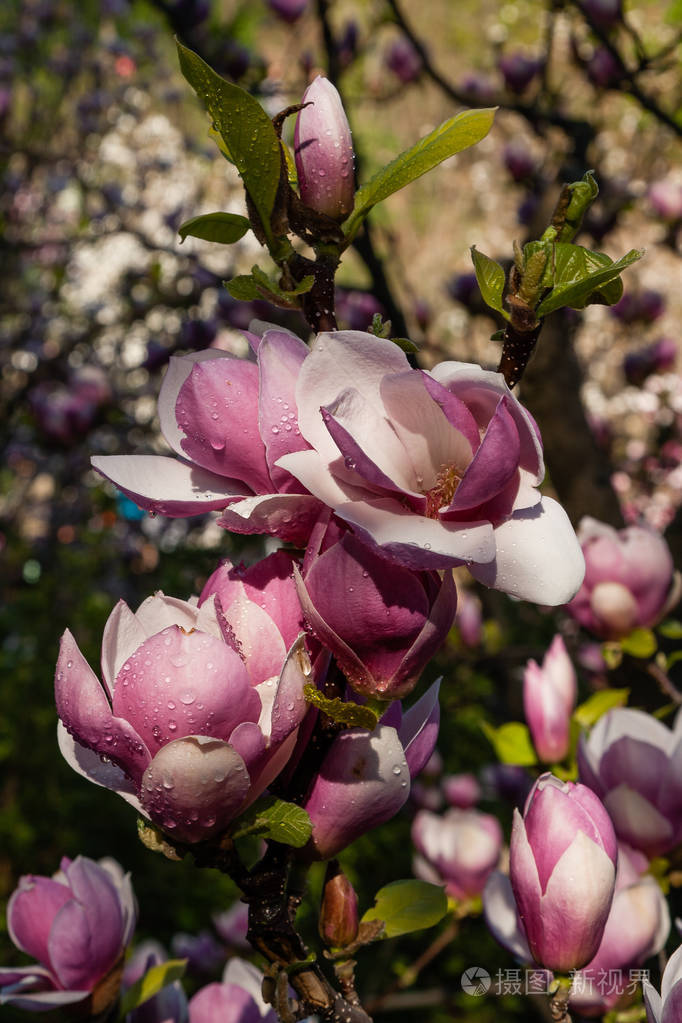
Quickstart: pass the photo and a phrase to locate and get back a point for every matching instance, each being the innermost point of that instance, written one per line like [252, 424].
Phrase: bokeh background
[104, 151]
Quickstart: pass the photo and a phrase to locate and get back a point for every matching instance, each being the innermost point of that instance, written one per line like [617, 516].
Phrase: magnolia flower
[430, 470]
[629, 579]
[77, 924]
[549, 695]
[562, 870]
[459, 847]
[323, 150]
[237, 999]
[634, 764]
[181, 727]
[169, 1005]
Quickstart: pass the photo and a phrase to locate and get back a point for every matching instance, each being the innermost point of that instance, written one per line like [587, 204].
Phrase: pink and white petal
[480, 390]
[159, 612]
[431, 636]
[269, 769]
[290, 517]
[85, 940]
[168, 486]
[416, 541]
[495, 463]
[324, 480]
[179, 369]
[210, 618]
[638, 822]
[502, 918]
[454, 410]
[86, 714]
[260, 642]
[418, 730]
[228, 1003]
[429, 440]
[194, 787]
[652, 1002]
[672, 973]
[123, 633]
[96, 768]
[289, 707]
[345, 358]
[280, 357]
[363, 781]
[250, 978]
[270, 583]
[537, 556]
[23, 994]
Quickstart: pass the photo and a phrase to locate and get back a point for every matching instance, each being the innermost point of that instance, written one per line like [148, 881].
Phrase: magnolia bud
[324, 151]
[339, 910]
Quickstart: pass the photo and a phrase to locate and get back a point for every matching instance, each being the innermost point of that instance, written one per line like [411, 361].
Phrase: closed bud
[549, 694]
[339, 910]
[324, 151]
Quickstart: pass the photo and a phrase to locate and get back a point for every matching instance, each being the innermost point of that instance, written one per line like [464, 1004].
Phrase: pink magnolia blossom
[77, 925]
[549, 696]
[629, 579]
[562, 870]
[365, 777]
[236, 999]
[634, 764]
[430, 470]
[459, 847]
[382, 622]
[169, 1005]
[461, 790]
[182, 727]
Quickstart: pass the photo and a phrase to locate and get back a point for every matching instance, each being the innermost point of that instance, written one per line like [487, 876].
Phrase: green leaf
[405, 345]
[671, 629]
[672, 659]
[407, 906]
[247, 131]
[579, 273]
[244, 288]
[276, 819]
[491, 280]
[155, 840]
[352, 714]
[641, 643]
[273, 287]
[458, 133]
[150, 984]
[589, 712]
[225, 228]
[512, 743]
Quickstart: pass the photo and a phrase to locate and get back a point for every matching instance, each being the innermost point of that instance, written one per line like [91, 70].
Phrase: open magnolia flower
[180, 727]
[429, 469]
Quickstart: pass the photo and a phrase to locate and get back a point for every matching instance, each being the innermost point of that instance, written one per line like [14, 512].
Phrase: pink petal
[96, 767]
[179, 369]
[280, 357]
[287, 516]
[31, 910]
[364, 781]
[194, 787]
[418, 731]
[85, 711]
[123, 633]
[494, 464]
[179, 684]
[167, 486]
[217, 410]
[289, 707]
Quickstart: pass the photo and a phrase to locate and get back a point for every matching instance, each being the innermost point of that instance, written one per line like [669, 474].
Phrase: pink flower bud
[665, 197]
[288, 10]
[77, 924]
[562, 869]
[629, 579]
[461, 790]
[518, 70]
[469, 618]
[604, 13]
[460, 848]
[237, 999]
[382, 622]
[403, 60]
[339, 910]
[324, 151]
[549, 696]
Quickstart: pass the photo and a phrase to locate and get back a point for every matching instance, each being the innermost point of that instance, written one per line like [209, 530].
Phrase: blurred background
[104, 152]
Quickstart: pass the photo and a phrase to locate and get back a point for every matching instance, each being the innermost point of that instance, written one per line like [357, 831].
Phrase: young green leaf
[512, 743]
[276, 819]
[671, 629]
[589, 712]
[352, 714]
[490, 277]
[246, 129]
[225, 228]
[407, 906]
[458, 133]
[150, 984]
[244, 288]
[640, 643]
[579, 273]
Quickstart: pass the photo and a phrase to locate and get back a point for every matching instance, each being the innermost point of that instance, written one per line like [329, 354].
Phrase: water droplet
[69, 664]
[172, 726]
[218, 445]
[187, 699]
[156, 732]
[397, 769]
[275, 429]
